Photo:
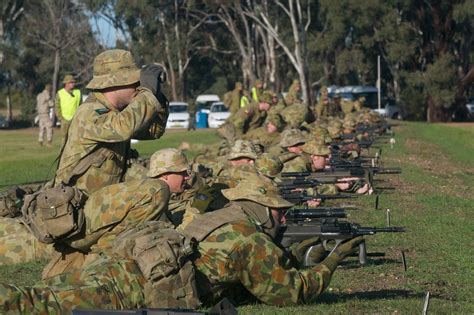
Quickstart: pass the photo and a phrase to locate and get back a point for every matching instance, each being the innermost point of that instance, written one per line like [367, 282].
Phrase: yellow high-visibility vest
[255, 94]
[69, 103]
[244, 101]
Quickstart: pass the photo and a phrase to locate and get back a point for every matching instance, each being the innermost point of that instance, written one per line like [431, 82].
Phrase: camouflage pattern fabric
[18, 245]
[247, 118]
[293, 95]
[97, 124]
[108, 283]
[299, 163]
[114, 67]
[238, 254]
[117, 208]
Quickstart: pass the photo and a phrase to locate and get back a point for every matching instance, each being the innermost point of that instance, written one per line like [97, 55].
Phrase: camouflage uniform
[292, 97]
[100, 134]
[44, 105]
[264, 137]
[239, 253]
[245, 119]
[18, 245]
[294, 162]
[232, 98]
[229, 175]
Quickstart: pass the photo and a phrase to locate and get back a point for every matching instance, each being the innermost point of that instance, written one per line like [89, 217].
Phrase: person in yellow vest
[244, 100]
[68, 100]
[257, 90]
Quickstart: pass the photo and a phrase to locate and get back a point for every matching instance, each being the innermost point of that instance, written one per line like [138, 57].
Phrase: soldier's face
[319, 162]
[242, 161]
[295, 149]
[176, 181]
[263, 106]
[271, 128]
[124, 96]
[69, 86]
[279, 216]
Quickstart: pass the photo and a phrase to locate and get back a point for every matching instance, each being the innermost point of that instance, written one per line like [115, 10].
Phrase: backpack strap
[203, 225]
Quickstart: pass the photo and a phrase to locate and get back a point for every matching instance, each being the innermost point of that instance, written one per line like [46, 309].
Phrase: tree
[58, 26]
[11, 11]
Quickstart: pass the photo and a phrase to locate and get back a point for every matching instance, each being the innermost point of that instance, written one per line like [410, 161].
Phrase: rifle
[307, 214]
[330, 231]
[302, 196]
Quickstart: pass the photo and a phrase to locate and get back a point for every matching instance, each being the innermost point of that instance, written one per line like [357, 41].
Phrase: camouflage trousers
[45, 126]
[105, 284]
[18, 245]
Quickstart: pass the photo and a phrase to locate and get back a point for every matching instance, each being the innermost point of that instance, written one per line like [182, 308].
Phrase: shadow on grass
[330, 298]
[354, 264]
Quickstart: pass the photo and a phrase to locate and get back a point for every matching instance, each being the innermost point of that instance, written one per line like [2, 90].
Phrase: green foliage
[440, 80]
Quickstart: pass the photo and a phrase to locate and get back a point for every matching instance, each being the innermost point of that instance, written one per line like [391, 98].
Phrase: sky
[105, 31]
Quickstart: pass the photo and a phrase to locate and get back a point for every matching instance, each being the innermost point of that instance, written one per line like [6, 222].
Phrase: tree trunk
[8, 101]
[57, 64]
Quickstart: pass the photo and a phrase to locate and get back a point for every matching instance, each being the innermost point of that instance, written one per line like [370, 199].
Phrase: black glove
[151, 77]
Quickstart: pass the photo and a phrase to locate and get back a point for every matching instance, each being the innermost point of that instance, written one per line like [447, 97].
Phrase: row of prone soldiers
[124, 233]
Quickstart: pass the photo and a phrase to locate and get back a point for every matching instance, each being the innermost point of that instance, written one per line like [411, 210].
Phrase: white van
[204, 102]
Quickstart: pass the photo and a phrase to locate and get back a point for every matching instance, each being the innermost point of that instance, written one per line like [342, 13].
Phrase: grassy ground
[433, 200]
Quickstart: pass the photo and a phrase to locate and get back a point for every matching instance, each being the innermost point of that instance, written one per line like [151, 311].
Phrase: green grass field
[433, 200]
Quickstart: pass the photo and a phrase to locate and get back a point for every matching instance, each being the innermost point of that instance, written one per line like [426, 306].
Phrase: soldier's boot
[49, 144]
[40, 143]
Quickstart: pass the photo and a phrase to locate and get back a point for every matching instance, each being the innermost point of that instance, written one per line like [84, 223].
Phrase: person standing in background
[68, 100]
[44, 106]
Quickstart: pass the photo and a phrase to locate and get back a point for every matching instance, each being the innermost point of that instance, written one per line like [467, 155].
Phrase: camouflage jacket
[247, 118]
[44, 103]
[329, 110]
[239, 255]
[99, 125]
[299, 163]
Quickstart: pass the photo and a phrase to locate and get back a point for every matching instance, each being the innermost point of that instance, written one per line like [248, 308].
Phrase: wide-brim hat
[167, 161]
[314, 147]
[257, 189]
[115, 67]
[291, 137]
[68, 78]
[242, 149]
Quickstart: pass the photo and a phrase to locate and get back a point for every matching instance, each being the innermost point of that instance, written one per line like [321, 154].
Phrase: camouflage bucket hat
[257, 189]
[68, 78]
[167, 161]
[276, 120]
[321, 135]
[314, 147]
[266, 97]
[334, 131]
[269, 165]
[291, 137]
[114, 67]
[242, 149]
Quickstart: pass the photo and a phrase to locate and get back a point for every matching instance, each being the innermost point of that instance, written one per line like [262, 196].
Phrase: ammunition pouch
[163, 256]
[54, 213]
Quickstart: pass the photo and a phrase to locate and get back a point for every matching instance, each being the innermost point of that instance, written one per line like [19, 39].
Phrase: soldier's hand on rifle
[299, 250]
[342, 251]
